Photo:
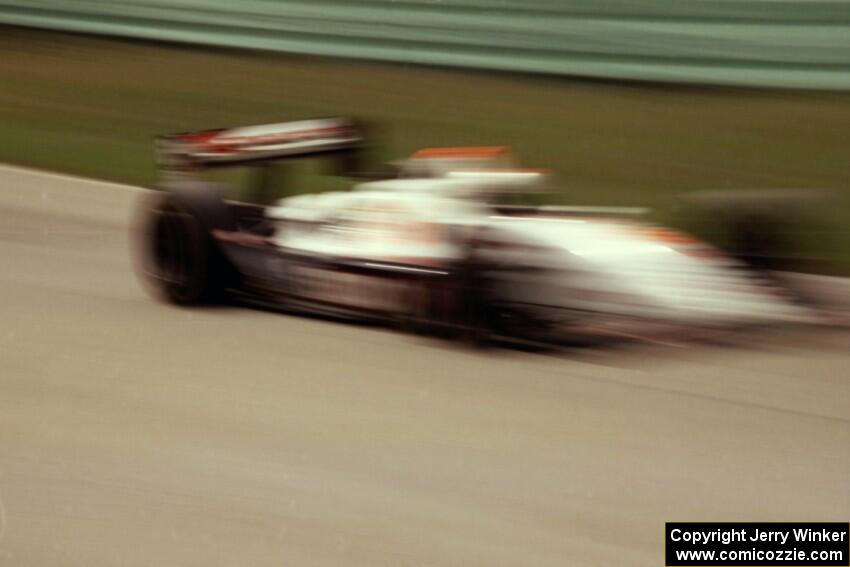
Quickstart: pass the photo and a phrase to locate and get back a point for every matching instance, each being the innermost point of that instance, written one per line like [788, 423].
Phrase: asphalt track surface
[134, 433]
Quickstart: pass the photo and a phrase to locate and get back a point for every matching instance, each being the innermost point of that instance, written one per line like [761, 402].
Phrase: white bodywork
[563, 267]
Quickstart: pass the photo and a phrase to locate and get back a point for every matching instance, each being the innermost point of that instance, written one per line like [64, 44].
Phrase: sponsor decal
[278, 138]
[353, 290]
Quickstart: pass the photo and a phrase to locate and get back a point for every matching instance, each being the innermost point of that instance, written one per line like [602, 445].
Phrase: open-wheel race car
[435, 245]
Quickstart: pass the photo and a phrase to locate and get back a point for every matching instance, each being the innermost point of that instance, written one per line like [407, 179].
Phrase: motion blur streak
[133, 433]
[778, 43]
[409, 245]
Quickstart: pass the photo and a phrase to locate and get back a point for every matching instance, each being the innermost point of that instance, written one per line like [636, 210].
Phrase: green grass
[90, 106]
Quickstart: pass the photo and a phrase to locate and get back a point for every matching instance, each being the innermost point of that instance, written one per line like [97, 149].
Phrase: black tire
[447, 307]
[462, 305]
[180, 261]
[483, 315]
[473, 321]
[415, 317]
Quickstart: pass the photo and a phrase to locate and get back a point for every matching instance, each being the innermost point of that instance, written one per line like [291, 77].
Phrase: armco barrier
[773, 43]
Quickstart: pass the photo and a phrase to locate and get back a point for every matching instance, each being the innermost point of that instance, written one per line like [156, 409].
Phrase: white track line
[68, 177]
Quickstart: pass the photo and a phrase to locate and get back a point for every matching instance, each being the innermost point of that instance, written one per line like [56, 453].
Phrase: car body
[435, 247]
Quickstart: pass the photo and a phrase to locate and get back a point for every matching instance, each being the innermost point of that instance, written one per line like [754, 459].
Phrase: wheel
[450, 307]
[179, 259]
[461, 305]
[415, 315]
[485, 311]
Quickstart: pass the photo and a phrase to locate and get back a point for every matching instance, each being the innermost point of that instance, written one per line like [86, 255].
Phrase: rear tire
[180, 261]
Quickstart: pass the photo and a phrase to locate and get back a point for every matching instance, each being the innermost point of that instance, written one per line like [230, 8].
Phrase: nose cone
[633, 269]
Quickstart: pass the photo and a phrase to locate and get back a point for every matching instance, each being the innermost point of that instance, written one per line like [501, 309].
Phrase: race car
[436, 245]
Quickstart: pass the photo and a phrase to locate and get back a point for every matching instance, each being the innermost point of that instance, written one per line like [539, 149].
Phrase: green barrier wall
[772, 43]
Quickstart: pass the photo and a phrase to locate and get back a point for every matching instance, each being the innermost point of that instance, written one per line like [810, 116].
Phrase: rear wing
[232, 146]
